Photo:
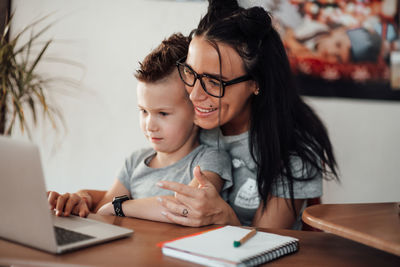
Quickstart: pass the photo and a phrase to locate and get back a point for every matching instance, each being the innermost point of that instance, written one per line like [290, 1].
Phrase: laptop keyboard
[65, 237]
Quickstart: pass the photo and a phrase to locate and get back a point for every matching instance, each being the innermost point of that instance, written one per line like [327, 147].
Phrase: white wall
[366, 139]
[110, 37]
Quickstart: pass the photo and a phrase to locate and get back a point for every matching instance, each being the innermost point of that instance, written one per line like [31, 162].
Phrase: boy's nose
[151, 124]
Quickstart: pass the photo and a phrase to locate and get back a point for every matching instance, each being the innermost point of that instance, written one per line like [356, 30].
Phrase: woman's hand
[106, 209]
[70, 203]
[196, 206]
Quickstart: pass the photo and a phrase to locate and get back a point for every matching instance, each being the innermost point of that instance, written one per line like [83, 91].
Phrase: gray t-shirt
[243, 195]
[140, 179]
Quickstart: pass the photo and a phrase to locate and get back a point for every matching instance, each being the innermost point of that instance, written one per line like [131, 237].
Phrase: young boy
[166, 119]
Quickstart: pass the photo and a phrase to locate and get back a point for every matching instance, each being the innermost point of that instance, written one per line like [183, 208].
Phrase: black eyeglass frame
[199, 77]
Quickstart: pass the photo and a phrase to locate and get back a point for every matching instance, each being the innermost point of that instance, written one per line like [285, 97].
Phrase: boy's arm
[143, 208]
[117, 189]
[84, 201]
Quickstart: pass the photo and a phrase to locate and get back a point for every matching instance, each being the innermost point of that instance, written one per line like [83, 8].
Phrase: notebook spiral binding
[264, 257]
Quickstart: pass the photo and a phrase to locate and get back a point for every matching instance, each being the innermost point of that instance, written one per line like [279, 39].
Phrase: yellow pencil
[245, 238]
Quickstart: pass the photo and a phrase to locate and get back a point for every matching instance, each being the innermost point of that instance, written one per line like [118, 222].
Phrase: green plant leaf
[31, 103]
[23, 89]
[38, 59]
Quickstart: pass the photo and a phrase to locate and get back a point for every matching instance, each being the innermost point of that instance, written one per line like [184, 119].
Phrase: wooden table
[373, 224]
[316, 249]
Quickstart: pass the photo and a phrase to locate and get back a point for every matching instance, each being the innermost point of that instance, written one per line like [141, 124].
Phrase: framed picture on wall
[342, 48]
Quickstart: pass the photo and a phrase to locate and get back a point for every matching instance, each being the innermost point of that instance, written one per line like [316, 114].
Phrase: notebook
[26, 217]
[215, 247]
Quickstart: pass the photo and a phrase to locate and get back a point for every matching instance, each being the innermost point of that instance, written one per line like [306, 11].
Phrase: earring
[257, 91]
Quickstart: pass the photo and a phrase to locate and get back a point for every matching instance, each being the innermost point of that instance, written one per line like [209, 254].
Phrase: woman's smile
[200, 111]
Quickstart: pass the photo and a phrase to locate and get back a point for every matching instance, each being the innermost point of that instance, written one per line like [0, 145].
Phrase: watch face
[121, 198]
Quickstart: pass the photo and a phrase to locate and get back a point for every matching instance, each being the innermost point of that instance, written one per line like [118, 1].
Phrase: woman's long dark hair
[282, 126]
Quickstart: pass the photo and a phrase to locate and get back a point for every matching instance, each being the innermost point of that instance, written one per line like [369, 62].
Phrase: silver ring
[185, 212]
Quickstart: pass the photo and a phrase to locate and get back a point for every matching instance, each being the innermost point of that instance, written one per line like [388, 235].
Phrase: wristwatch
[117, 203]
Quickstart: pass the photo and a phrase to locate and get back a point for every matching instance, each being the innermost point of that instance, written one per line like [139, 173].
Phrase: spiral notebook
[215, 247]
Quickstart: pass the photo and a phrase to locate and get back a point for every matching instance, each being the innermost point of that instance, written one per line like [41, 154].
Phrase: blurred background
[107, 39]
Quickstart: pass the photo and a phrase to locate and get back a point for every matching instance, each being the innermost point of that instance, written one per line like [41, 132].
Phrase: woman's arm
[204, 204]
[206, 207]
[278, 213]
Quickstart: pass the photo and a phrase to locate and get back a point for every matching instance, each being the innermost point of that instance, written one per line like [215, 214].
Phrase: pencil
[245, 238]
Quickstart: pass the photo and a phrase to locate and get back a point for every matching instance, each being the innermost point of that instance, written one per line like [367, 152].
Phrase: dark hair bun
[217, 10]
[255, 22]
[222, 8]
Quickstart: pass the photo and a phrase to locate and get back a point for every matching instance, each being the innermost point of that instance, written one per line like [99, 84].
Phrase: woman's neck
[239, 124]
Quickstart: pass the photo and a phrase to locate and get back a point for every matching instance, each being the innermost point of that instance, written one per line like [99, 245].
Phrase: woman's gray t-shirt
[140, 179]
[243, 195]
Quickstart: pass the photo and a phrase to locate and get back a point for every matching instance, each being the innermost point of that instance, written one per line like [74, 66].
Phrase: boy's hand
[69, 203]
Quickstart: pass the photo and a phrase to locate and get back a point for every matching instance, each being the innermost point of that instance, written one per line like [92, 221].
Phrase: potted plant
[23, 89]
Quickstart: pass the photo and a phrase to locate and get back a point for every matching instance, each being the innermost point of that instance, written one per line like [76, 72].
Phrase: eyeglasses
[210, 84]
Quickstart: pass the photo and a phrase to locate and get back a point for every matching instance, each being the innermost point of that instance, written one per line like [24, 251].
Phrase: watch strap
[117, 203]
[118, 209]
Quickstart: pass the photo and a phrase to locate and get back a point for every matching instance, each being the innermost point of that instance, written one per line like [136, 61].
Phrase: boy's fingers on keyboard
[81, 209]
[73, 201]
[61, 200]
[52, 197]
[84, 210]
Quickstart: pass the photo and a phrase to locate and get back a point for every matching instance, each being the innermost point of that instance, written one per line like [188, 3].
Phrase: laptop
[25, 214]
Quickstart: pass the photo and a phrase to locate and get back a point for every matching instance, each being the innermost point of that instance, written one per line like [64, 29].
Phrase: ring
[185, 212]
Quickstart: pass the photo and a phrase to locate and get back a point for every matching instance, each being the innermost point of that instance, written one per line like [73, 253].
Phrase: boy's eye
[163, 113]
[143, 111]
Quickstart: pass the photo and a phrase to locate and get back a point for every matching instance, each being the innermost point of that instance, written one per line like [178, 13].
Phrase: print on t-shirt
[237, 163]
[247, 196]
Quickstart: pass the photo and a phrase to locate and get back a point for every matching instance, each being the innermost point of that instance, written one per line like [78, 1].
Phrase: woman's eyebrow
[216, 76]
[213, 75]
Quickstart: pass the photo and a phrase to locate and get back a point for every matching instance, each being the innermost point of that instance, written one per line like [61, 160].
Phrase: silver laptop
[25, 214]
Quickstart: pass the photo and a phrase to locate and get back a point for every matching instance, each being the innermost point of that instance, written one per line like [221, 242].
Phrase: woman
[239, 80]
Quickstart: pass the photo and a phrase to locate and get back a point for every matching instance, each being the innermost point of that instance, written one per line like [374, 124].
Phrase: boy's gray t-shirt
[140, 179]
[243, 195]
